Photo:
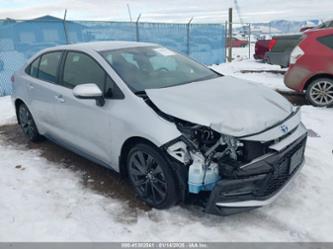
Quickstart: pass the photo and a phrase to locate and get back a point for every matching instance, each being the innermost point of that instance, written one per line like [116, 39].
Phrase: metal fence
[248, 34]
[21, 39]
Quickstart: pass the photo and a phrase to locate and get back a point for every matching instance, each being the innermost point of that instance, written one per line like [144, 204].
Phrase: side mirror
[89, 91]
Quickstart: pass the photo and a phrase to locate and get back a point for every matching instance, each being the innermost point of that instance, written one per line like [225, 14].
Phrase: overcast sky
[169, 10]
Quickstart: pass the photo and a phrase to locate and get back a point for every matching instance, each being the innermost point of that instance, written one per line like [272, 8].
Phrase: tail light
[12, 78]
[271, 44]
[296, 54]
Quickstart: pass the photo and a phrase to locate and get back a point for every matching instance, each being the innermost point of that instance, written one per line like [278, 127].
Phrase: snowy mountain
[279, 26]
[292, 26]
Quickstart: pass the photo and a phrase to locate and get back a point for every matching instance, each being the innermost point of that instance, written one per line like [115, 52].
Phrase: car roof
[288, 36]
[320, 32]
[101, 45]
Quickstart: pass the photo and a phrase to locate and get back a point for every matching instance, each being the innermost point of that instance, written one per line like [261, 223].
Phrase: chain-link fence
[21, 39]
[241, 43]
[245, 35]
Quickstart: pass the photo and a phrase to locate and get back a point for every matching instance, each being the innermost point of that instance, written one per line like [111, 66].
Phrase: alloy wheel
[321, 93]
[148, 177]
[26, 122]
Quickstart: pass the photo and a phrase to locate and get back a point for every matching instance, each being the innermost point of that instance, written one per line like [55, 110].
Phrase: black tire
[28, 124]
[320, 92]
[151, 176]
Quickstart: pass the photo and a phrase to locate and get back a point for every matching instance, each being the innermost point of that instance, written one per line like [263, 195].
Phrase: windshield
[144, 68]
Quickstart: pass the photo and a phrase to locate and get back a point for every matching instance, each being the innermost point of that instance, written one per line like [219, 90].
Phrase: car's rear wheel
[151, 176]
[27, 123]
[320, 92]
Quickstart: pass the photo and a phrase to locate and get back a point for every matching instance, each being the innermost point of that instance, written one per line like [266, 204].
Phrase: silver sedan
[177, 129]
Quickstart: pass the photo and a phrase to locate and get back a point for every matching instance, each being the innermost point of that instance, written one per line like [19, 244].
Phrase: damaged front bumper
[227, 180]
[257, 186]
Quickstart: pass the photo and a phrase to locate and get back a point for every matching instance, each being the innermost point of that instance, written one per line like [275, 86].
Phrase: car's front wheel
[320, 92]
[151, 176]
[27, 123]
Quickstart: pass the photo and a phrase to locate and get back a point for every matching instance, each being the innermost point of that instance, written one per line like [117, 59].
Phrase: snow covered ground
[243, 53]
[6, 111]
[42, 200]
[264, 75]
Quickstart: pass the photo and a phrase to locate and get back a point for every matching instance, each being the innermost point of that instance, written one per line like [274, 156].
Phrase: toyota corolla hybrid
[174, 127]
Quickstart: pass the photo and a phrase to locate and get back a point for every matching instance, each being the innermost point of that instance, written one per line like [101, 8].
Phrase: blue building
[21, 39]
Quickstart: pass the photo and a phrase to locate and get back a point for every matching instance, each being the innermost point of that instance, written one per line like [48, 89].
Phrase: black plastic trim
[255, 187]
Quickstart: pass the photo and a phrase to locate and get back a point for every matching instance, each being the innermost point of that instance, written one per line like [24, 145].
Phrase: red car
[311, 67]
[237, 43]
[262, 47]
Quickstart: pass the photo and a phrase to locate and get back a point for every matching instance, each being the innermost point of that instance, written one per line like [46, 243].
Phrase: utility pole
[270, 28]
[129, 12]
[65, 27]
[226, 41]
[137, 28]
[230, 36]
[249, 40]
[188, 26]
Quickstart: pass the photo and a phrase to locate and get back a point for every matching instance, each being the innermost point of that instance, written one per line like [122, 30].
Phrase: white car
[176, 128]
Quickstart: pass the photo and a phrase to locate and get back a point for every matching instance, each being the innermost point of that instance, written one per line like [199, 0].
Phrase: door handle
[60, 98]
[31, 86]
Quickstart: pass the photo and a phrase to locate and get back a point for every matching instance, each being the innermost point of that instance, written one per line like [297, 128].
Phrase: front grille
[253, 150]
[282, 171]
[275, 184]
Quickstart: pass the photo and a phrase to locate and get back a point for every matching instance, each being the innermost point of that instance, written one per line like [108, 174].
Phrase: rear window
[48, 66]
[32, 69]
[326, 41]
[285, 44]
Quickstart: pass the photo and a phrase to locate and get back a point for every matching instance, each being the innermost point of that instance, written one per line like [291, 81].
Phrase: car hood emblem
[284, 128]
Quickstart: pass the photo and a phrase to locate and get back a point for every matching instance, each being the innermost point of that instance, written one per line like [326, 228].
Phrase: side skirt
[79, 152]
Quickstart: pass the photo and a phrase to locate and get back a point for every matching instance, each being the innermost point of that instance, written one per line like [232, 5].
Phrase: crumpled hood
[226, 104]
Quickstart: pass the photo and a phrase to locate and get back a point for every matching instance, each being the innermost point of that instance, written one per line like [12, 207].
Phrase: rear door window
[48, 67]
[326, 41]
[32, 70]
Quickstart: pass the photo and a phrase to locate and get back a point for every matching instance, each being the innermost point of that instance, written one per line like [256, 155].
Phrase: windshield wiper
[205, 78]
[141, 93]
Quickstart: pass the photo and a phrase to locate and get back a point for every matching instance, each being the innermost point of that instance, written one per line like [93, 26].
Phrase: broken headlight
[199, 136]
[211, 144]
